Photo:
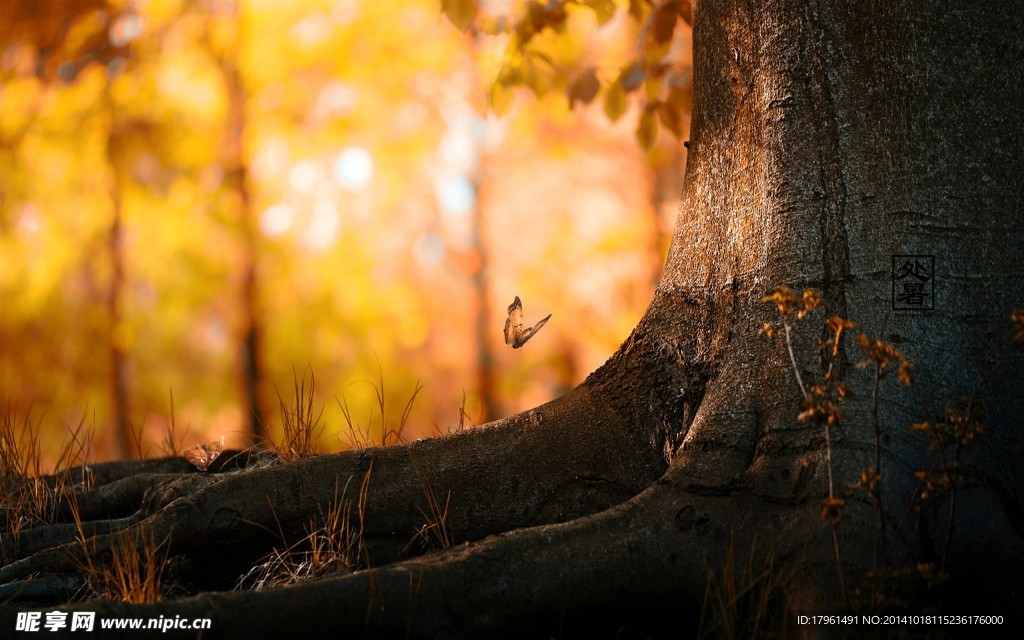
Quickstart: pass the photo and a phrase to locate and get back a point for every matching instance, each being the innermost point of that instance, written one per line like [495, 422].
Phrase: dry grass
[28, 499]
[436, 531]
[136, 574]
[331, 545]
[136, 568]
[19, 445]
[301, 425]
[358, 436]
[463, 419]
[172, 444]
[745, 601]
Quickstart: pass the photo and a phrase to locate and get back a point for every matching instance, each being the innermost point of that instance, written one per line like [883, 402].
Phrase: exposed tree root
[571, 457]
[639, 565]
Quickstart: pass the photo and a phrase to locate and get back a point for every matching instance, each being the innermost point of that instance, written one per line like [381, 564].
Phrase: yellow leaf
[652, 87]
[537, 78]
[670, 118]
[615, 101]
[491, 25]
[655, 50]
[501, 98]
[20, 97]
[604, 10]
[511, 74]
[460, 12]
[647, 130]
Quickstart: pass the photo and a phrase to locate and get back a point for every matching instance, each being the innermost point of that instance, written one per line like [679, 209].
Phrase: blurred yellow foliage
[386, 216]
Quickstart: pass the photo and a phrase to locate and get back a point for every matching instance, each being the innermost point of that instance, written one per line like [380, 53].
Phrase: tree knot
[687, 518]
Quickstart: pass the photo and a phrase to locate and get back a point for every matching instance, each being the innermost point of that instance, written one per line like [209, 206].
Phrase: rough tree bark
[826, 138]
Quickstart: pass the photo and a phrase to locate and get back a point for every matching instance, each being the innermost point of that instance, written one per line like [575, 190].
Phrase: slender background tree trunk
[123, 441]
[484, 320]
[237, 172]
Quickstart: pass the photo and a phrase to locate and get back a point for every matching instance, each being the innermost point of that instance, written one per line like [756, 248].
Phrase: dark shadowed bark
[826, 138]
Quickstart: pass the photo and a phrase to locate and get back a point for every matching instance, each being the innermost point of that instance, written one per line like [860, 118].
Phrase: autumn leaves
[540, 56]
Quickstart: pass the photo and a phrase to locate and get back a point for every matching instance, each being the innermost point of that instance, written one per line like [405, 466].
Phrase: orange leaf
[665, 21]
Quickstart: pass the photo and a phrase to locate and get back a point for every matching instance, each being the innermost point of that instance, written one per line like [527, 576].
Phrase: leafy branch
[660, 82]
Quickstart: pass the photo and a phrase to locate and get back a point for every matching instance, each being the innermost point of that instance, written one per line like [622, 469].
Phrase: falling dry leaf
[202, 455]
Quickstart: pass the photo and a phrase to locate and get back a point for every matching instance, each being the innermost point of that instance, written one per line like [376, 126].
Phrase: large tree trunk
[826, 138]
